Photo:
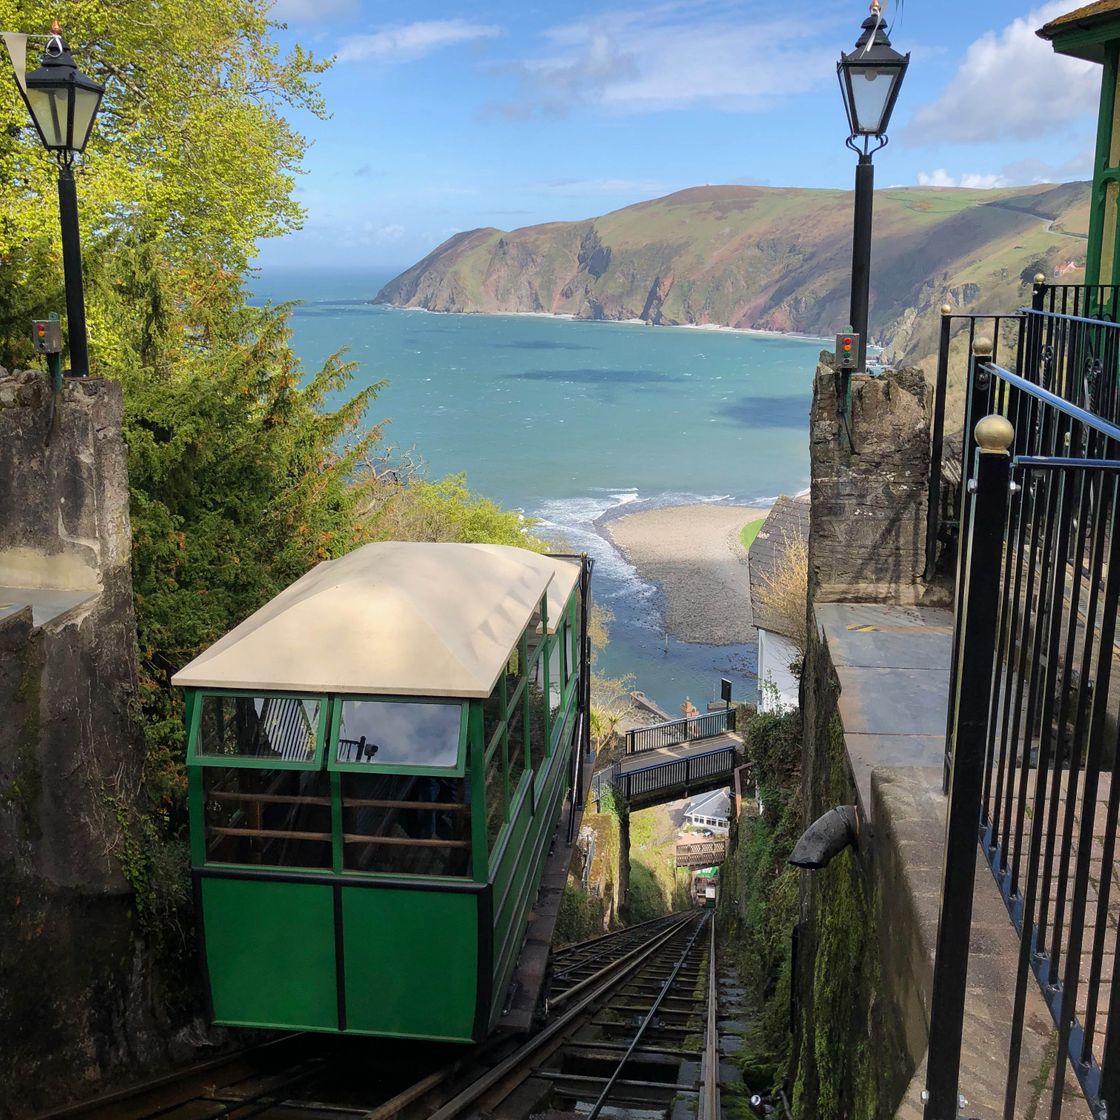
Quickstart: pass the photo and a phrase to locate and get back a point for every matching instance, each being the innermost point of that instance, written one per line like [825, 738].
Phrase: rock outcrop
[764, 258]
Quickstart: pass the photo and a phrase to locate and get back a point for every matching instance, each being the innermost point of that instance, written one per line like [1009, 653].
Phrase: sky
[448, 116]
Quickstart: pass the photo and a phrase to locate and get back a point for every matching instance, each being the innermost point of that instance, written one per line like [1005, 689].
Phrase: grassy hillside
[769, 258]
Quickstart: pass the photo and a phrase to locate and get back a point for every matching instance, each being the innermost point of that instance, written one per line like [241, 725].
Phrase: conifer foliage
[245, 469]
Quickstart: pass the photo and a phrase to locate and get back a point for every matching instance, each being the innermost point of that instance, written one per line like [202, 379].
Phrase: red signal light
[847, 344]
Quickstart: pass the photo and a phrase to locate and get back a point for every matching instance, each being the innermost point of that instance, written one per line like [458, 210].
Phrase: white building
[712, 810]
[777, 682]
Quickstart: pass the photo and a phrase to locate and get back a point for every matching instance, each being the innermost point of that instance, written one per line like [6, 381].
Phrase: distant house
[713, 811]
[777, 686]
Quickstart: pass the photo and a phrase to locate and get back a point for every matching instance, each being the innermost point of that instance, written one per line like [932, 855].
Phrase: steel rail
[598, 1106]
[598, 948]
[709, 1105]
[551, 1033]
[165, 1081]
[603, 972]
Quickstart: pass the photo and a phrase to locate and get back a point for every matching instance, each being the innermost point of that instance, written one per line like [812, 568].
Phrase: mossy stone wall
[849, 1060]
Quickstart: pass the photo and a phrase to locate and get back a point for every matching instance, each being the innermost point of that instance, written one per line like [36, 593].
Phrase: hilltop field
[766, 258]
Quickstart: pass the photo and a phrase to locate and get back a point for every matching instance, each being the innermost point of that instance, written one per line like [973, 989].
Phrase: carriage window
[398, 733]
[278, 818]
[281, 728]
[555, 682]
[405, 825]
[573, 651]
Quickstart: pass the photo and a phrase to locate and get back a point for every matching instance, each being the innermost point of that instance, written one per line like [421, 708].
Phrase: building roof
[1090, 18]
[714, 804]
[788, 519]
[395, 618]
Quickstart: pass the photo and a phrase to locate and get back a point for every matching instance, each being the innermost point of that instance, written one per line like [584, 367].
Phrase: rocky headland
[763, 258]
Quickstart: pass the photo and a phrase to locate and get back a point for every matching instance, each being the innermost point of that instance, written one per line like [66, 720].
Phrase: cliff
[767, 258]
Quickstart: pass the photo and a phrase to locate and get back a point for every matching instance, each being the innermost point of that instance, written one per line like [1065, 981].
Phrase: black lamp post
[63, 103]
[870, 78]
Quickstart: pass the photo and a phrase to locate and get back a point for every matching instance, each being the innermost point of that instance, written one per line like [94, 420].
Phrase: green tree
[192, 152]
[238, 486]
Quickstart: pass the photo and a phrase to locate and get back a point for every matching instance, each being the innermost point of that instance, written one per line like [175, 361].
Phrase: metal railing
[1067, 342]
[674, 774]
[676, 731]
[1033, 724]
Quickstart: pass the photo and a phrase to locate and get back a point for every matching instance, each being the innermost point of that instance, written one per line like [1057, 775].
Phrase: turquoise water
[569, 420]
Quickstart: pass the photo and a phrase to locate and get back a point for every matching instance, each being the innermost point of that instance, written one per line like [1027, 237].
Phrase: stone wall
[77, 995]
[867, 533]
[850, 1053]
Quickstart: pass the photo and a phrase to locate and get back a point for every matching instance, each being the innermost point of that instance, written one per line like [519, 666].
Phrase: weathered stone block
[869, 492]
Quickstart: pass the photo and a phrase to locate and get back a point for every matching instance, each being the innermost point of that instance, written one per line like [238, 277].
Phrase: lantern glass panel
[86, 103]
[871, 90]
[51, 109]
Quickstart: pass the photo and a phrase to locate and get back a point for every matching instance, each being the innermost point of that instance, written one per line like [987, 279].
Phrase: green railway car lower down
[377, 762]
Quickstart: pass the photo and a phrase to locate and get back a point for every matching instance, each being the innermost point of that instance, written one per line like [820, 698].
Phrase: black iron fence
[1035, 704]
[676, 731]
[678, 775]
[1067, 342]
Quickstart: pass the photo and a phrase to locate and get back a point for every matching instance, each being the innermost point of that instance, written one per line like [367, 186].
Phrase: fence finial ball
[994, 434]
[946, 309]
[982, 347]
[1040, 278]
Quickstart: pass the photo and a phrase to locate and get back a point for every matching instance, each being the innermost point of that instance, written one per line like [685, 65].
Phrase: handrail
[668, 733]
[1041, 314]
[1073, 411]
[1030, 740]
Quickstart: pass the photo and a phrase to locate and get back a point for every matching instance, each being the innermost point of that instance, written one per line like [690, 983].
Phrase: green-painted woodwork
[410, 957]
[411, 962]
[270, 953]
[1101, 43]
[194, 720]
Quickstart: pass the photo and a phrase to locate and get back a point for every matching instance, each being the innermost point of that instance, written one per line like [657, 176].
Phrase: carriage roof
[393, 618]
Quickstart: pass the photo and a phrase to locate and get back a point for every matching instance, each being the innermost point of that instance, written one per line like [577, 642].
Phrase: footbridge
[674, 759]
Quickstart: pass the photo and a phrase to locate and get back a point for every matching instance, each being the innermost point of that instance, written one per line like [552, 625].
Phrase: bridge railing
[677, 772]
[676, 731]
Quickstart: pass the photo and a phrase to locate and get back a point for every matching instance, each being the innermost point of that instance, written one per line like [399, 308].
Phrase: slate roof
[715, 804]
[788, 519]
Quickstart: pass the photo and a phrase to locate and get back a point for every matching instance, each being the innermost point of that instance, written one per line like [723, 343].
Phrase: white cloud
[672, 56]
[1010, 84]
[311, 11]
[1078, 166]
[972, 179]
[414, 40]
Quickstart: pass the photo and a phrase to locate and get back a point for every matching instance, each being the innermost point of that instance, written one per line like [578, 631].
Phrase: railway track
[636, 1034]
[630, 1023]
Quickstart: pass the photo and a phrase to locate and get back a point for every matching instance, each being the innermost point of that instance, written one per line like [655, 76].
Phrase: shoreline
[693, 556]
[717, 328]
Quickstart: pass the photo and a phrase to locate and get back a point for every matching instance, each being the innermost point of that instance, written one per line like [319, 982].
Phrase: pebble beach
[694, 556]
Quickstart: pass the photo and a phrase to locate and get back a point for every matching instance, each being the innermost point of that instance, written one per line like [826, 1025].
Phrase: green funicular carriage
[377, 762]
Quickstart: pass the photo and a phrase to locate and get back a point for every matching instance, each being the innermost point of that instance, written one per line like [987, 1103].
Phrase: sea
[567, 421]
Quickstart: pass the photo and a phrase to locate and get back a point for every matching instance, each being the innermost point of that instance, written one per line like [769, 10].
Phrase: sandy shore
[694, 556]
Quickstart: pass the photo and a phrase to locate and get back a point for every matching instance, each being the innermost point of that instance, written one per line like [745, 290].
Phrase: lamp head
[870, 78]
[62, 101]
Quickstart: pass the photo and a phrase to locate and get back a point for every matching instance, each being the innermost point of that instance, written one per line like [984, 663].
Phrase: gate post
[973, 668]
